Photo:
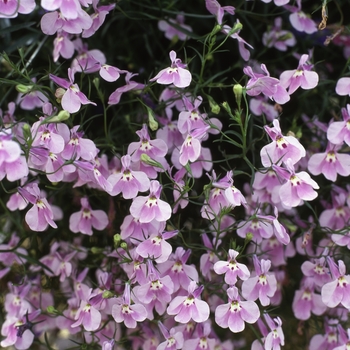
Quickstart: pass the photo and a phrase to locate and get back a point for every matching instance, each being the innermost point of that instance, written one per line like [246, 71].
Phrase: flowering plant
[196, 203]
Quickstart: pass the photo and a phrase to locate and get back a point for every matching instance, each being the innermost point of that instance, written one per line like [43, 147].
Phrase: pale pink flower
[171, 32]
[189, 307]
[176, 74]
[236, 312]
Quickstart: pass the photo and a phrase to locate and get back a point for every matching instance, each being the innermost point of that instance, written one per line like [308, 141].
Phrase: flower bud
[215, 108]
[59, 94]
[96, 250]
[52, 310]
[153, 124]
[237, 90]
[26, 132]
[96, 82]
[117, 238]
[124, 245]
[149, 161]
[107, 294]
[24, 89]
[60, 117]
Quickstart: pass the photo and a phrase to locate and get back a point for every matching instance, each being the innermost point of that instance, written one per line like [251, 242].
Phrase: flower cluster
[155, 204]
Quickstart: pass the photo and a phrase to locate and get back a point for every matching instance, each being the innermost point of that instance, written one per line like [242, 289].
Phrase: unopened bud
[153, 124]
[96, 250]
[124, 246]
[249, 237]
[107, 294]
[59, 94]
[149, 161]
[52, 310]
[226, 107]
[60, 117]
[24, 89]
[215, 108]
[216, 29]
[96, 82]
[237, 90]
[26, 132]
[236, 28]
[117, 238]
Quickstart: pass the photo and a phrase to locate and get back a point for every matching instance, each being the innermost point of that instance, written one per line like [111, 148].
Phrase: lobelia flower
[274, 339]
[306, 301]
[278, 38]
[201, 339]
[259, 106]
[245, 54]
[189, 307]
[127, 181]
[51, 22]
[236, 312]
[156, 293]
[87, 315]
[281, 148]
[72, 98]
[32, 98]
[298, 187]
[208, 259]
[300, 77]
[171, 32]
[148, 208]
[191, 148]
[156, 246]
[180, 273]
[337, 291]
[11, 8]
[231, 268]
[263, 83]
[263, 285]
[98, 17]
[316, 270]
[173, 340]
[329, 340]
[217, 10]
[62, 46]
[18, 330]
[86, 219]
[126, 312]
[175, 74]
[114, 98]
[330, 163]
[301, 21]
[339, 132]
[40, 216]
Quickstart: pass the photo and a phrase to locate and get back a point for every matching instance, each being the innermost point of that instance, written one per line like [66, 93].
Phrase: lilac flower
[281, 148]
[17, 330]
[40, 216]
[148, 208]
[301, 21]
[306, 301]
[236, 312]
[299, 186]
[72, 98]
[87, 315]
[189, 307]
[173, 340]
[339, 132]
[180, 273]
[343, 87]
[337, 291]
[124, 311]
[208, 259]
[11, 8]
[191, 148]
[263, 285]
[231, 268]
[156, 246]
[245, 54]
[62, 46]
[98, 17]
[316, 270]
[217, 10]
[201, 340]
[275, 338]
[51, 22]
[176, 74]
[330, 163]
[278, 38]
[86, 218]
[32, 98]
[263, 83]
[69, 9]
[300, 77]
[259, 106]
[171, 32]
[327, 341]
[114, 98]
[128, 182]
